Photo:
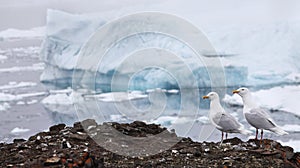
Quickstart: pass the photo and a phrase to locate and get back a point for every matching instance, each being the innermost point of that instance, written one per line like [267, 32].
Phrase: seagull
[256, 116]
[222, 120]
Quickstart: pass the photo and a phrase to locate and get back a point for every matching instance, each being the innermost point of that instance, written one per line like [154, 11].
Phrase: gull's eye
[243, 89]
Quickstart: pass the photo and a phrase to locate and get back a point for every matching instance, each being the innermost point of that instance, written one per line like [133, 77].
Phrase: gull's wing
[259, 118]
[226, 122]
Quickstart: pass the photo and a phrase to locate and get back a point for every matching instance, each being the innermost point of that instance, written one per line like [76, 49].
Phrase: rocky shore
[79, 146]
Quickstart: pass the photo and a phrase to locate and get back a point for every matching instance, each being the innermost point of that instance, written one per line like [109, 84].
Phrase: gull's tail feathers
[278, 131]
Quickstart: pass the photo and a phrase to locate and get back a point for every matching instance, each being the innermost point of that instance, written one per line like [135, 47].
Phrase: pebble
[45, 149]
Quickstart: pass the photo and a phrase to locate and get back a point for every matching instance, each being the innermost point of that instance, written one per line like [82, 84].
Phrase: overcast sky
[26, 14]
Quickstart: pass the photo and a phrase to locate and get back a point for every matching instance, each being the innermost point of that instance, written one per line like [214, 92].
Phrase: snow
[12, 34]
[19, 130]
[284, 98]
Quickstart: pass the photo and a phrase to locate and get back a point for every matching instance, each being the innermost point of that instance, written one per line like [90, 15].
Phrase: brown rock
[52, 161]
[57, 128]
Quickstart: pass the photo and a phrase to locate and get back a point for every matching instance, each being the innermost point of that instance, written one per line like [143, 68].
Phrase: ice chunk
[12, 34]
[18, 130]
[34, 67]
[278, 98]
[5, 106]
[3, 57]
[57, 99]
[5, 97]
[17, 85]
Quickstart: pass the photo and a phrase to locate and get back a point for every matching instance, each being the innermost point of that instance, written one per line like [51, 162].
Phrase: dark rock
[233, 141]
[288, 152]
[52, 149]
[57, 128]
[19, 140]
[77, 126]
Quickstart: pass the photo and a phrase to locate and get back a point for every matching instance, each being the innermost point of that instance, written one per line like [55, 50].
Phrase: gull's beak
[235, 91]
[205, 97]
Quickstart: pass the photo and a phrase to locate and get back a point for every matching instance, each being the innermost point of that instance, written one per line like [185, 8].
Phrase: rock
[88, 122]
[57, 128]
[78, 136]
[288, 152]
[77, 126]
[52, 161]
[72, 147]
[19, 140]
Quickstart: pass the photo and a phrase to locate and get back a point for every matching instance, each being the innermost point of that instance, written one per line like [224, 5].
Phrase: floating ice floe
[31, 102]
[19, 130]
[13, 34]
[5, 106]
[284, 98]
[3, 57]
[34, 67]
[13, 85]
[4, 97]
[119, 96]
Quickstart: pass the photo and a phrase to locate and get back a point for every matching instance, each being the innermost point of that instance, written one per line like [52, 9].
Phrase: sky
[24, 14]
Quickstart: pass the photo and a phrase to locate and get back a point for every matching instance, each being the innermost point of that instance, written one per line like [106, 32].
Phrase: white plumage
[256, 116]
[222, 120]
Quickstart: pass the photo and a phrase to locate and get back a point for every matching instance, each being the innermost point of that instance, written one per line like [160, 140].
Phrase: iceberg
[66, 35]
[269, 51]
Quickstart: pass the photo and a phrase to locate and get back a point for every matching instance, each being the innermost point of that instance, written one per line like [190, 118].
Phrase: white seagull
[256, 116]
[222, 120]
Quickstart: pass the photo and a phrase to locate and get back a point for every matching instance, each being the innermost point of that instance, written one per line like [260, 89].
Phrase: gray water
[30, 114]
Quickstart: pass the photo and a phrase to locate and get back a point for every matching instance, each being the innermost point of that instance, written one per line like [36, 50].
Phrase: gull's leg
[261, 135]
[226, 135]
[222, 139]
[222, 136]
[256, 134]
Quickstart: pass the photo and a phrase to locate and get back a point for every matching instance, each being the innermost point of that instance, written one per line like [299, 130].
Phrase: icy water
[23, 114]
